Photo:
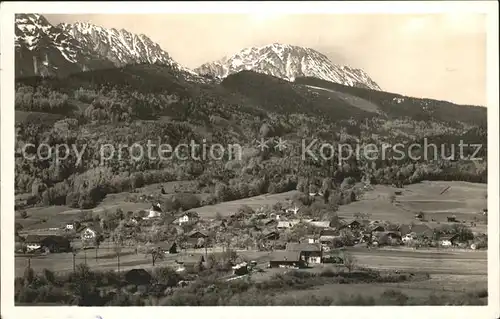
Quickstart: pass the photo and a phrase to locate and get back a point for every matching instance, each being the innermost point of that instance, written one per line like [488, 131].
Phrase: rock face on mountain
[44, 49]
[287, 62]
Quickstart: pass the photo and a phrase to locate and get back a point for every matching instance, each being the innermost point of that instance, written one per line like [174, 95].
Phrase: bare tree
[156, 254]
[349, 261]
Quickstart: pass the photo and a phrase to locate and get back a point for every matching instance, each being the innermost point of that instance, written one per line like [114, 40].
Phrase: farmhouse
[154, 212]
[330, 240]
[196, 239]
[282, 224]
[240, 269]
[33, 242]
[190, 262]
[377, 228]
[353, 224]
[408, 238]
[293, 210]
[168, 247]
[388, 238]
[310, 253]
[286, 259]
[448, 241]
[187, 217]
[418, 229]
[329, 232]
[52, 243]
[91, 232]
[197, 234]
[271, 235]
[451, 219]
[269, 222]
[320, 224]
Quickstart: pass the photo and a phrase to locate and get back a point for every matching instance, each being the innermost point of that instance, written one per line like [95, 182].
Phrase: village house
[196, 239]
[284, 224]
[51, 243]
[408, 238]
[187, 217]
[154, 212]
[448, 241]
[451, 219]
[329, 232]
[89, 233]
[271, 235]
[330, 241]
[320, 224]
[421, 230]
[190, 262]
[311, 253]
[240, 269]
[377, 228]
[269, 222]
[352, 224]
[282, 259]
[168, 247]
[293, 210]
[390, 238]
[419, 216]
[69, 227]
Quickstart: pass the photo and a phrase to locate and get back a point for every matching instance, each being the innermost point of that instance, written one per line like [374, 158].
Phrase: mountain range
[288, 62]
[47, 50]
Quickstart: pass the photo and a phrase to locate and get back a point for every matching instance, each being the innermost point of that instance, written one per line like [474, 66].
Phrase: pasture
[227, 208]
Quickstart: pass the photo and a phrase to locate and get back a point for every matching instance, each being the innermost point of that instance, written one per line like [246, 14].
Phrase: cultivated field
[256, 202]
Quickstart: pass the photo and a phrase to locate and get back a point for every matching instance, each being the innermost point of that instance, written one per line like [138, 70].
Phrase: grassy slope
[416, 108]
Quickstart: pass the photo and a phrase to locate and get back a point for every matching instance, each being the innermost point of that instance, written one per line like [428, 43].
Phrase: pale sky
[440, 56]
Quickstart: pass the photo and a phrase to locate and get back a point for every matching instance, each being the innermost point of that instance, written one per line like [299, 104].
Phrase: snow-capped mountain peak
[287, 62]
[44, 49]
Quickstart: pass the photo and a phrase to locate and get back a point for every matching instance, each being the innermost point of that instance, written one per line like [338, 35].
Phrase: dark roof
[328, 232]
[266, 221]
[347, 222]
[190, 214]
[388, 233]
[268, 234]
[194, 232]
[138, 276]
[95, 226]
[34, 239]
[375, 226]
[326, 238]
[302, 247]
[156, 208]
[449, 237]
[46, 238]
[284, 255]
[165, 245]
[417, 229]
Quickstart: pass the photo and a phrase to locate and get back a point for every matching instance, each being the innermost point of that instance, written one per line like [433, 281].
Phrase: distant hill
[396, 105]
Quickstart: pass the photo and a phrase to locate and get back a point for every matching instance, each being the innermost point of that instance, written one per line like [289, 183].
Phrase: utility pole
[74, 260]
